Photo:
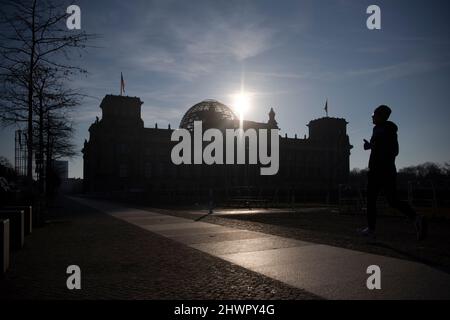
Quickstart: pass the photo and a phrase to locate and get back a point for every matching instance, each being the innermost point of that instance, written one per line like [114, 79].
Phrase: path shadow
[203, 216]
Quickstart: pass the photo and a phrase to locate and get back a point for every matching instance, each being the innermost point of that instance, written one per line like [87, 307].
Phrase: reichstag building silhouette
[122, 158]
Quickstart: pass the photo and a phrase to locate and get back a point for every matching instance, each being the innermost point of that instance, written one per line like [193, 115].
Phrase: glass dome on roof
[211, 111]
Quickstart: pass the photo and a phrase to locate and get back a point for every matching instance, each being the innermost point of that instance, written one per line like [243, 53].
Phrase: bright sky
[290, 55]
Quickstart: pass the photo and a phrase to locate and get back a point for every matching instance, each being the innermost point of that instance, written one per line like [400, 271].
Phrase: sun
[241, 103]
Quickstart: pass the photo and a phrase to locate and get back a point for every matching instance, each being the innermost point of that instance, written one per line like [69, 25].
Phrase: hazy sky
[291, 55]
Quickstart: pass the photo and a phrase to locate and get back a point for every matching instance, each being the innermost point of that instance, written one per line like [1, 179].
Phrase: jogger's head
[381, 114]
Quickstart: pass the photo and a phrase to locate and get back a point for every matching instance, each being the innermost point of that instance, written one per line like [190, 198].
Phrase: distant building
[20, 153]
[71, 186]
[122, 156]
[61, 167]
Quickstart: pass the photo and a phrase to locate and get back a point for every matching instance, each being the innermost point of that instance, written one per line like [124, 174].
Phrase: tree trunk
[41, 150]
[30, 106]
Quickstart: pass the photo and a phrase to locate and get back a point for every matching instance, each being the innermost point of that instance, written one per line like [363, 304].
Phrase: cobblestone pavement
[122, 261]
[327, 271]
[395, 235]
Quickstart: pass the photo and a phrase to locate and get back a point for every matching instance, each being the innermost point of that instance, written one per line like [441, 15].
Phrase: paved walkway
[119, 260]
[327, 271]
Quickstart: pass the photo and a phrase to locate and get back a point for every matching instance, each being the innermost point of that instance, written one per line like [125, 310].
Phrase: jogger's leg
[393, 200]
[420, 223]
[373, 188]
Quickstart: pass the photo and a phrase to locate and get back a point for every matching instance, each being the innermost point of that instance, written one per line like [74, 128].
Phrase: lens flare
[242, 102]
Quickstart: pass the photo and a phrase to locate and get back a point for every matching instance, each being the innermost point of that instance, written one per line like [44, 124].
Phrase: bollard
[28, 216]
[4, 245]
[16, 229]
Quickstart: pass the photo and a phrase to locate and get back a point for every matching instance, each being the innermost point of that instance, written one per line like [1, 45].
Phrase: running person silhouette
[382, 173]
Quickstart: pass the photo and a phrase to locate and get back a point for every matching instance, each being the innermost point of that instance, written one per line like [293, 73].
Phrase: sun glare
[241, 104]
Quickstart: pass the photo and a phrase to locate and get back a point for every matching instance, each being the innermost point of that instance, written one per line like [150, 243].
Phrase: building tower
[272, 122]
[329, 137]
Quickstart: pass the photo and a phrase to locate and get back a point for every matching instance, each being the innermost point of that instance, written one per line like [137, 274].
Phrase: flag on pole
[326, 107]
[122, 84]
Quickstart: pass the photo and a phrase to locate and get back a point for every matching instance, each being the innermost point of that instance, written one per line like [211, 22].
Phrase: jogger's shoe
[421, 225]
[367, 233]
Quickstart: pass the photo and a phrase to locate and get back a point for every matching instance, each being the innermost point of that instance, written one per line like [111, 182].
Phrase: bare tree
[53, 127]
[33, 35]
